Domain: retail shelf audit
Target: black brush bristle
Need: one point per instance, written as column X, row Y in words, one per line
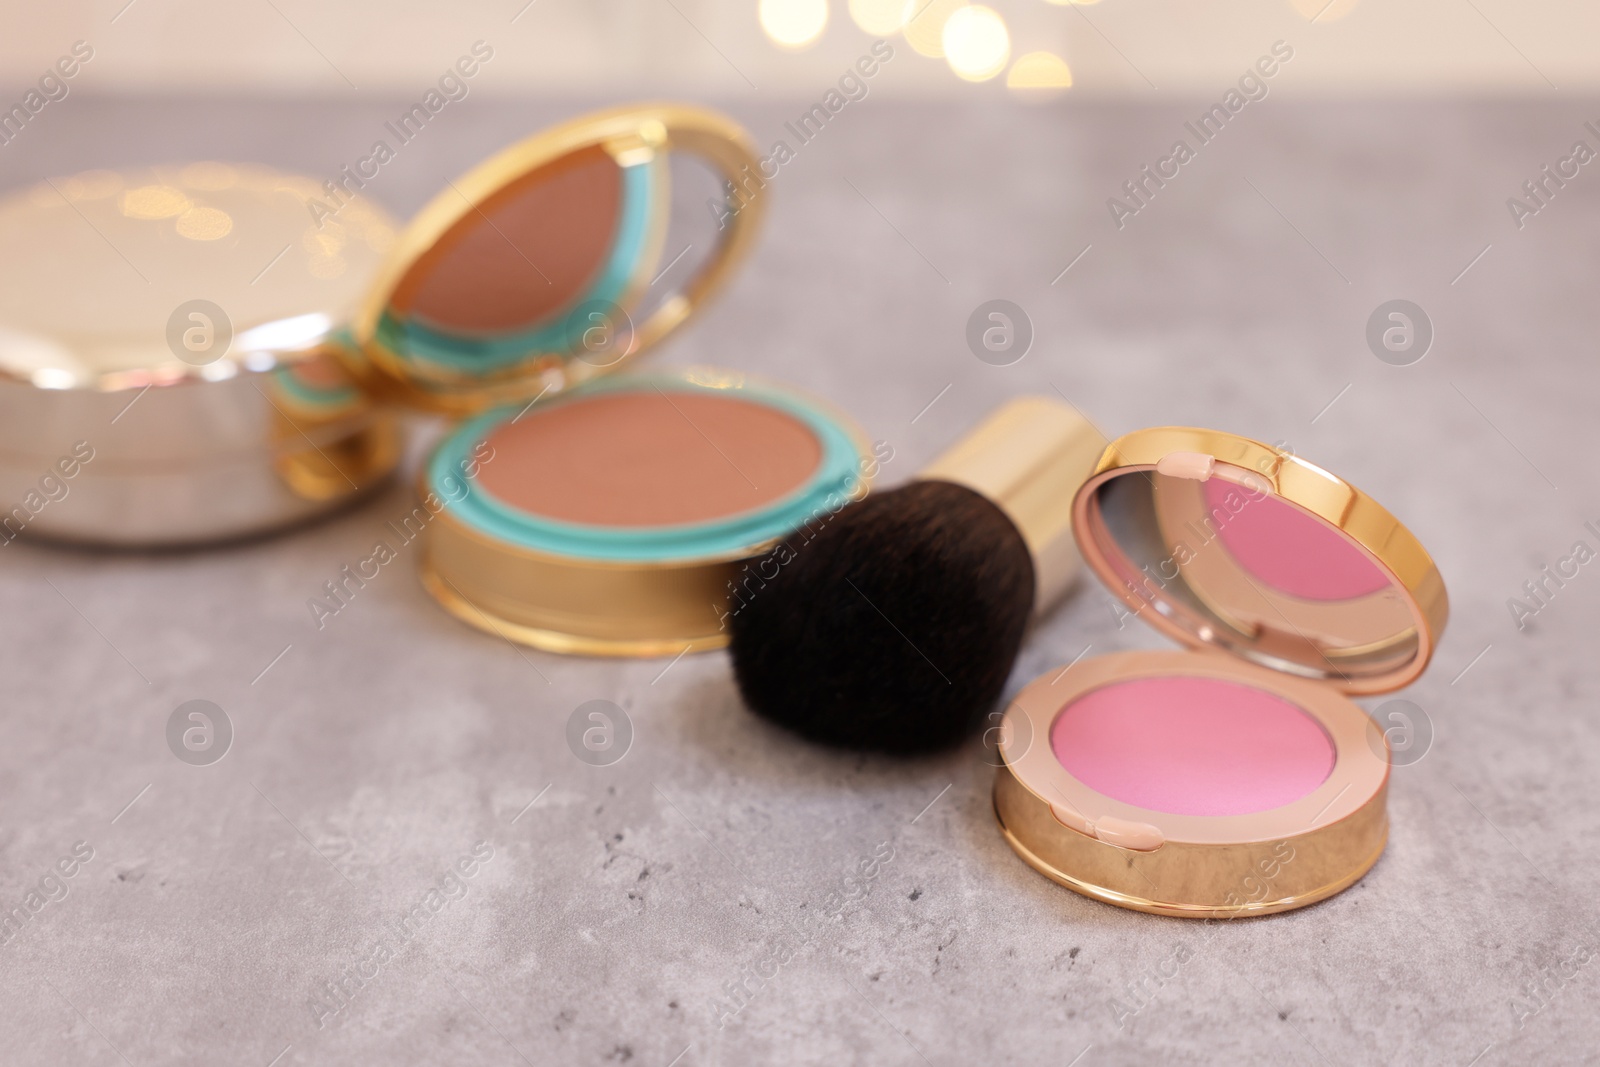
column 894, row 627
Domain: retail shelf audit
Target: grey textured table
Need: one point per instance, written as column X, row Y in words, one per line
column 618, row 909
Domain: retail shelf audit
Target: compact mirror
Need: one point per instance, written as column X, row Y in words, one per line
column 696, row 225
column 498, row 289
column 1264, row 556
column 539, row 268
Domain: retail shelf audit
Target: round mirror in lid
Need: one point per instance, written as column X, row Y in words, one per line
column 1224, row 542
column 535, row 271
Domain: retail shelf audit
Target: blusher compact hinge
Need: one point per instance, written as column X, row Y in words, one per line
column 1136, row 836
column 1195, row 466
column 1201, row 467
column 1124, row 833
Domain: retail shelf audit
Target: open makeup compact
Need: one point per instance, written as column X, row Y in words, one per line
column 1234, row 777
column 576, row 509
column 210, row 359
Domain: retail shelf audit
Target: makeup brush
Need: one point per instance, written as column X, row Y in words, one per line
column 894, row 624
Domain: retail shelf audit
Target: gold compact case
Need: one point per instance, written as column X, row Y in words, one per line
column 574, row 508
column 1236, row 776
column 166, row 367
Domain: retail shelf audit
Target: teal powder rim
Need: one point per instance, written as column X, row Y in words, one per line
column 417, row 342
column 838, row 475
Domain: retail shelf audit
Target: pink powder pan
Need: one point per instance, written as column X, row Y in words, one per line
column 1235, row 776
column 1188, row 744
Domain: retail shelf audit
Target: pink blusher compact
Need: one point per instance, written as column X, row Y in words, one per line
column 1235, row 776
column 1189, row 745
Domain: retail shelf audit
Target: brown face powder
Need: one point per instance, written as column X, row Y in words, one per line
column 524, row 255
column 649, row 458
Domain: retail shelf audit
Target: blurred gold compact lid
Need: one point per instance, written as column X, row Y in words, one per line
column 174, row 324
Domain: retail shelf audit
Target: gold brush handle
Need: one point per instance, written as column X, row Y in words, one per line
column 1029, row 457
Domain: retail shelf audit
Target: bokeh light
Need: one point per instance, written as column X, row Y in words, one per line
column 1039, row 73
column 205, row 224
column 793, row 24
column 880, row 18
column 90, row 185
column 154, row 202
column 976, row 43
column 924, row 24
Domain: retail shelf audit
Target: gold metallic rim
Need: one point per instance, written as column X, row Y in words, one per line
column 1332, row 499
column 554, row 640
column 338, row 469
column 1136, row 902
column 630, row 128
column 563, row 604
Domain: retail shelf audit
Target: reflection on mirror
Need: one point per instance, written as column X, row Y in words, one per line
column 695, row 231
column 1243, row 569
column 524, row 254
column 503, row 283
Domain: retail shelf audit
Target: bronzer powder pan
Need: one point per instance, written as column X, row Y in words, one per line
column 612, row 520
column 1236, row 777
column 650, row 456
column 575, row 508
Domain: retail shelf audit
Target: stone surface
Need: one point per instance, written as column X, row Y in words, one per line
column 619, row 906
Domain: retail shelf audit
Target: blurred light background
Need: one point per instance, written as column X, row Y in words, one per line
column 795, row 47
column 988, row 164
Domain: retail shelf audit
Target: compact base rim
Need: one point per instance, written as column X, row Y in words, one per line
column 154, row 506
column 547, row 640
column 1365, row 834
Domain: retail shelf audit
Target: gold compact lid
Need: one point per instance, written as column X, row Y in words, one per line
column 121, row 280
column 543, row 266
column 1227, row 543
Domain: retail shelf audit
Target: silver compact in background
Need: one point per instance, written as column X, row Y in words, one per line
column 167, row 356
